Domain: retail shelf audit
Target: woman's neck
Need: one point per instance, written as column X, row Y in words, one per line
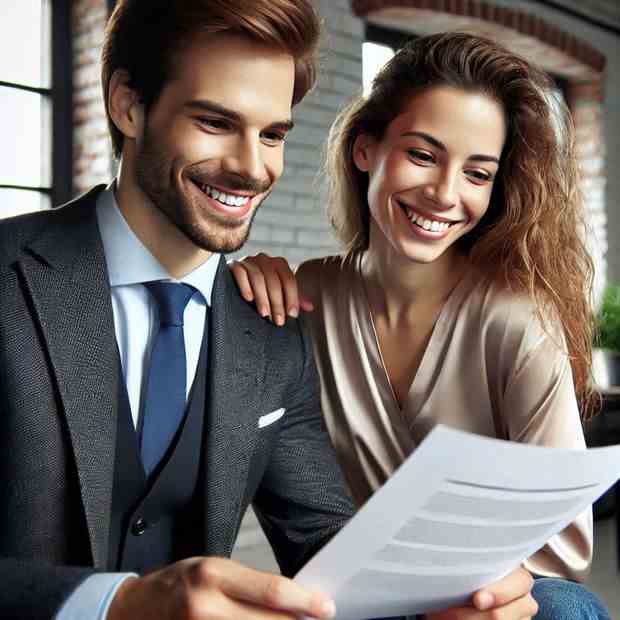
column 399, row 287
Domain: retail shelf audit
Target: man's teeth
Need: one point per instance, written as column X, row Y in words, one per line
column 229, row 200
column 425, row 223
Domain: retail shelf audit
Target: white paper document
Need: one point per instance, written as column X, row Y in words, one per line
column 461, row 512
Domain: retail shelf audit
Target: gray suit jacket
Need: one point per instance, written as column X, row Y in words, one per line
column 58, row 407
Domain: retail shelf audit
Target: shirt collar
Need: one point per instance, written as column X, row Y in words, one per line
column 120, row 242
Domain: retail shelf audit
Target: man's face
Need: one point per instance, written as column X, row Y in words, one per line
column 213, row 142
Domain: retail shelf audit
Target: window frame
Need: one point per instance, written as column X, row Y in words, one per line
column 59, row 96
column 387, row 36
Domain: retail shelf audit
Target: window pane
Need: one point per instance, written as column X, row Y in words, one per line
column 18, row 201
column 22, row 35
column 374, row 56
column 21, row 122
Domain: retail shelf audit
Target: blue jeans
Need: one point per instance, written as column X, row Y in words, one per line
column 559, row 599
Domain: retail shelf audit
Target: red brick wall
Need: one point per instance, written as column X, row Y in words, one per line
column 92, row 153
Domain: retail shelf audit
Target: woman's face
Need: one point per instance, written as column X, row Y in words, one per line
column 431, row 175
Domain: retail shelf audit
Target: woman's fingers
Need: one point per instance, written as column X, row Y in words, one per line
column 517, row 584
column 243, row 282
column 272, row 285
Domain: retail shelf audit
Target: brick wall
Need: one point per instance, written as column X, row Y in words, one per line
column 605, row 127
column 585, row 99
column 92, row 154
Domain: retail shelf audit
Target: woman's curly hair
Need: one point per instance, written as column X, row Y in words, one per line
column 532, row 237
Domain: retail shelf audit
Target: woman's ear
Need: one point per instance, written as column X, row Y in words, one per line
column 363, row 151
column 124, row 106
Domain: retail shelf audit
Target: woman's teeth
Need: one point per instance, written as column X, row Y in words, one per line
column 425, row 223
column 229, row 200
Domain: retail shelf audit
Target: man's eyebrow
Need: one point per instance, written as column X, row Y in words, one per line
column 440, row 145
column 206, row 105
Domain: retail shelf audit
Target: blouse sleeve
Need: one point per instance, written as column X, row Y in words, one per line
column 539, row 407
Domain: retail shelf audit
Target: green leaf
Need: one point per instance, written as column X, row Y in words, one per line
column 608, row 320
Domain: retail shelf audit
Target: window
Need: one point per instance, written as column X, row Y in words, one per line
column 35, row 124
column 374, row 56
column 380, row 45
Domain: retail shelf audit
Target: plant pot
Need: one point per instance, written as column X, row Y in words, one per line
column 606, row 368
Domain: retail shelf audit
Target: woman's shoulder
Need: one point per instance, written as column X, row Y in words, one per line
column 508, row 314
column 319, row 274
column 501, row 302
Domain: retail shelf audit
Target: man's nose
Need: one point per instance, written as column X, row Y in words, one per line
column 247, row 160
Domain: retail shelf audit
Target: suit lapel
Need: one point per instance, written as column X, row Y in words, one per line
column 236, row 381
column 67, row 279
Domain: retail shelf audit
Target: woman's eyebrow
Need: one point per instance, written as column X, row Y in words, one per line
column 440, row 145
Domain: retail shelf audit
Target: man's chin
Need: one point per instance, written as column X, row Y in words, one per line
column 219, row 243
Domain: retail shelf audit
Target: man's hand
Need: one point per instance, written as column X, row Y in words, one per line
column 208, row 588
column 509, row 598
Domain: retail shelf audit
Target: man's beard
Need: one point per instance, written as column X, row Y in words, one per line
column 156, row 178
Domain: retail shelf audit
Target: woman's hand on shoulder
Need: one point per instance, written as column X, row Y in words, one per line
column 270, row 283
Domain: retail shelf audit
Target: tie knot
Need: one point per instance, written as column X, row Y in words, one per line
column 171, row 299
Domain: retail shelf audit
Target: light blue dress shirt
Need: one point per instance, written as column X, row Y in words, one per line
column 136, row 322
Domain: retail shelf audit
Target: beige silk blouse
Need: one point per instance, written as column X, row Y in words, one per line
column 489, row 368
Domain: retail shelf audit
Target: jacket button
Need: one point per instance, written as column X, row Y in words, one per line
column 139, row 527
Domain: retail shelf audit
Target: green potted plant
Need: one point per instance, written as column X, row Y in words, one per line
column 607, row 340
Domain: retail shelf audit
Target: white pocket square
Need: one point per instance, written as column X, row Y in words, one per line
column 270, row 418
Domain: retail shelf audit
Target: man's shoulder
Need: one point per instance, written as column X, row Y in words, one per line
column 283, row 340
column 17, row 232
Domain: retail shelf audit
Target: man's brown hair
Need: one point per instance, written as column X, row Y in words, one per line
column 145, row 37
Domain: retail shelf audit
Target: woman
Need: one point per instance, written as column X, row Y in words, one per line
column 463, row 294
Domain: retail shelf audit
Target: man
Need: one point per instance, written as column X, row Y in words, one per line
column 144, row 404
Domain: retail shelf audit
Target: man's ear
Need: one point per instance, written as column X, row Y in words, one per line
column 124, row 106
column 363, row 151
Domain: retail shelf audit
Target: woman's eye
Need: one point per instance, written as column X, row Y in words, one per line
column 421, row 156
column 479, row 176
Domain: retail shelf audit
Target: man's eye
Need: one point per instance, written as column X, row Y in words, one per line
column 421, row 156
column 214, row 123
column 274, row 138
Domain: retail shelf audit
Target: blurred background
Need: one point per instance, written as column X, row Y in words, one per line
column 56, row 143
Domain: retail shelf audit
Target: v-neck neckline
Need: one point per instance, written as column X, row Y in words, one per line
column 427, row 369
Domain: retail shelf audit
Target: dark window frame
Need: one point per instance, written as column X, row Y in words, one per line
column 387, row 36
column 62, row 102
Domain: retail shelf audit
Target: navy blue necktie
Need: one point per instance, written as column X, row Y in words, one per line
column 165, row 401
